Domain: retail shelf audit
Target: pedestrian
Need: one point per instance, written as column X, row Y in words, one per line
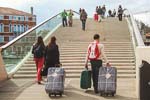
column 70, row 18
column 38, row 51
column 96, row 9
column 110, row 13
column 51, row 54
column 95, row 53
column 120, row 13
column 83, row 17
column 96, row 14
column 100, row 12
column 80, row 11
column 114, row 13
column 103, row 11
column 64, row 18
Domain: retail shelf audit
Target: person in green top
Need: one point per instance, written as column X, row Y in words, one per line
column 64, row 18
column 70, row 15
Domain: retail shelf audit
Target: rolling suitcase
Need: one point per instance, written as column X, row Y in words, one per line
column 85, row 81
column 55, row 81
column 107, row 81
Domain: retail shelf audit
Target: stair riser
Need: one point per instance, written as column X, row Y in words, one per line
column 107, row 53
column 124, row 73
column 120, row 77
column 68, row 64
column 83, row 61
column 22, row 69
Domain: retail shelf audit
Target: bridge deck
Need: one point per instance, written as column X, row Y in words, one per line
column 111, row 30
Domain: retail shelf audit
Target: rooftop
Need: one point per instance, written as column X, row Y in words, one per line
column 11, row 11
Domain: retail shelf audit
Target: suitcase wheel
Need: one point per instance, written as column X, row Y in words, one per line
column 107, row 94
column 112, row 94
column 50, row 94
column 60, row 94
column 101, row 94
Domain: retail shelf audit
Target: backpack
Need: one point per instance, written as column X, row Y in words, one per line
column 93, row 51
column 38, row 52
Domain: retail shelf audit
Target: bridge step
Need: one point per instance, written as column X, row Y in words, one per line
column 73, row 48
column 82, row 64
column 69, row 76
column 71, row 71
column 80, row 68
column 82, row 61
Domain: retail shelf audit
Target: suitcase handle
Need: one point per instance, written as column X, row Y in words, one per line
column 58, row 65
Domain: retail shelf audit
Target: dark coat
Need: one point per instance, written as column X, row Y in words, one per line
column 52, row 56
column 83, row 16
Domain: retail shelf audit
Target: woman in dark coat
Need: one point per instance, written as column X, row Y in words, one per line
column 52, row 54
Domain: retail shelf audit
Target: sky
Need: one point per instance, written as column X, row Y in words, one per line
column 46, row 8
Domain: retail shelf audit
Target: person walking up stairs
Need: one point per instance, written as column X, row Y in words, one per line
column 95, row 53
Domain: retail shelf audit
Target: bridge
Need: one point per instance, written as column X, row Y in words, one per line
column 123, row 46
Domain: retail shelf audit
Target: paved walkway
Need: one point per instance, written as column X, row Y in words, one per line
column 27, row 89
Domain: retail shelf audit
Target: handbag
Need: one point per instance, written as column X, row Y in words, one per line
column 44, row 71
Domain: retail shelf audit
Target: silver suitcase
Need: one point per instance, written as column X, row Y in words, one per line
column 107, row 81
column 55, row 81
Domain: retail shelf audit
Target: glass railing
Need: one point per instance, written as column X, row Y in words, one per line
column 143, row 21
column 135, row 31
column 15, row 52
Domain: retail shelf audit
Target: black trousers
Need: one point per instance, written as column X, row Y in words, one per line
column 120, row 17
column 64, row 22
column 95, row 64
column 83, row 24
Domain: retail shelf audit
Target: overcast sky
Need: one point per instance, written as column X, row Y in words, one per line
column 46, row 8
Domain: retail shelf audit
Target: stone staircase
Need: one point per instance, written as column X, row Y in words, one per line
column 73, row 43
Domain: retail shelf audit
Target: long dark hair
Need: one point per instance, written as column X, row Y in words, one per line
column 40, row 40
column 52, row 41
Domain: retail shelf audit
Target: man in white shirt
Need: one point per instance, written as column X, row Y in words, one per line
column 95, row 53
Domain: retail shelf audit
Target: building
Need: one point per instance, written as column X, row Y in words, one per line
column 14, row 22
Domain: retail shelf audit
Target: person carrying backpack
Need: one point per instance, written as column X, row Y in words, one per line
column 83, row 17
column 95, row 53
column 100, row 12
column 120, row 13
column 38, row 51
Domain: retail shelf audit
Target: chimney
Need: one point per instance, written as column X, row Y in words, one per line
column 32, row 10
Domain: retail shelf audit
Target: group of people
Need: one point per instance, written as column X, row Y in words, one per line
column 100, row 13
column 64, row 16
column 45, row 55
column 114, row 13
column 48, row 56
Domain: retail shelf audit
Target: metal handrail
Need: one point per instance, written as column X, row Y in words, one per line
column 137, row 33
column 30, row 30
